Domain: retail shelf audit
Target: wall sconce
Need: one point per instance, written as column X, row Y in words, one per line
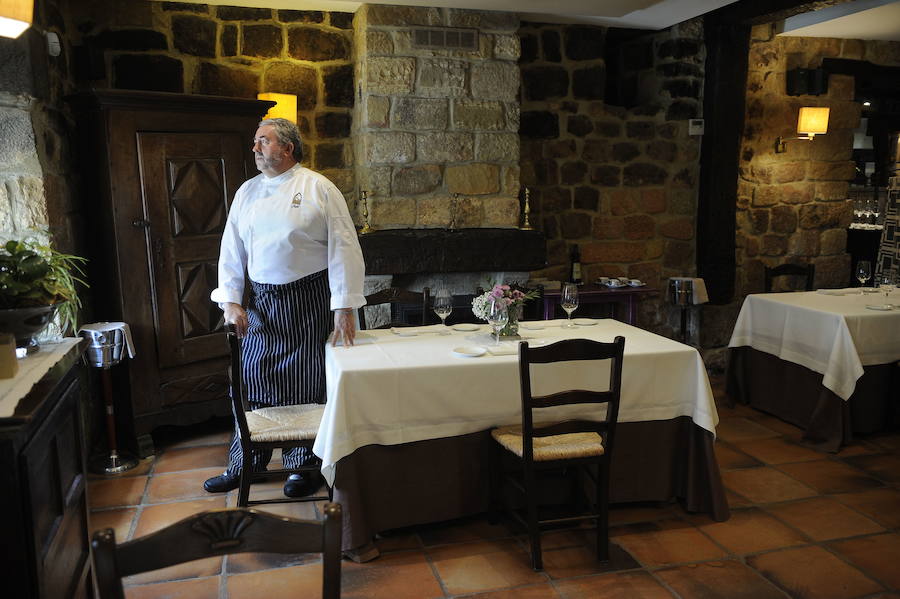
column 812, row 121
column 285, row 106
column 15, row 17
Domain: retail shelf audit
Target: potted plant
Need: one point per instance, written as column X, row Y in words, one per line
column 36, row 281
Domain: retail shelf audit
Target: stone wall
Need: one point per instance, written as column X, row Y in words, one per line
column 436, row 128
column 618, row 182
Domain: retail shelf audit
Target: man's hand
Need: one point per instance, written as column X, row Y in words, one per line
column 344, row 327
column 237, row 316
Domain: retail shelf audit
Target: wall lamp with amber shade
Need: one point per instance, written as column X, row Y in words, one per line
column 15, row 17
column 812, row 121
column 285, row 106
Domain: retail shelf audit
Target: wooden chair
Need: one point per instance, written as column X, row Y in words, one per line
column 218, row 532
column 407, row 307
column 279, row 427
column 802, row 270
column 583, row 445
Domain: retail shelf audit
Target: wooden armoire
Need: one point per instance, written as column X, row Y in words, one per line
column 160, row 171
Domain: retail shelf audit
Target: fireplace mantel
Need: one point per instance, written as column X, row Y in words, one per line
column 415, row 251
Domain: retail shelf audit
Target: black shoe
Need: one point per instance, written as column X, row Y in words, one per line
column 226, row 482
column 301, row 485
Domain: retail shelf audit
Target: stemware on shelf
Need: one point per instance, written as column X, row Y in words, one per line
column 863, row 272
column 443, row 306
column 498, row 316
column 568, row 299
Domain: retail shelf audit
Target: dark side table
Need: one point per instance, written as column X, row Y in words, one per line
column 623, row 297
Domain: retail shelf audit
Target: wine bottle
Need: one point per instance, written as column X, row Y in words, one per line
column 575, row 272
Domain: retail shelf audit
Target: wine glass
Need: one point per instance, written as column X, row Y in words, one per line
column 887, row 283
column 568, row 299
column 863, row 272
column 498, row 316
column 443, row 306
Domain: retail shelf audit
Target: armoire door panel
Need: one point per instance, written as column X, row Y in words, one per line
column 188, row 181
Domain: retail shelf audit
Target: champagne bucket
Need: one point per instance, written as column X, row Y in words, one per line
column 681, row 292
column 106, row 347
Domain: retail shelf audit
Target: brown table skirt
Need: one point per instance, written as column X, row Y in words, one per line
column 383, row 487
column 795, row 394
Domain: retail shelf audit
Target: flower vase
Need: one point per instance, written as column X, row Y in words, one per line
column 511, row 330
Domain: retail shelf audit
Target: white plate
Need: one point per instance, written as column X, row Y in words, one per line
column 884, row 307
column 469, row 351
column 616, row 286
column 584, row 322
column 531, row 326
column 465, row 327
column 870, row 290
column 637, row 284
column 402, row 333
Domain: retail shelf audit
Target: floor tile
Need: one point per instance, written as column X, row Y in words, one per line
column 539, row 591
column 779, row 451
column 483, row 566
column 730, row 458
column 765, row 485
column 824, row 518
column 734, row 430
column 119, row 520
column 620, row 585
column 200, row 568
column 143, row 467
column 403, row 575
column 882, row 505
column 813, row 573
column 112, row 492
column 877, row 555
column 582, row 559
column 240, row 563
column 750, row 531
column 669, row 546
column 859, row 447
column 398, row 541
column 735, row 500
column 883, row 466
column 154, row 517
column 830, row 476
column 719, row 580
column 191, row 458
column 217, row 431
column 463, row 530
column 623, row 514
column 890, row 441
column 286, row 583
column 179, row 485
column 199, row 588
column 788, row 430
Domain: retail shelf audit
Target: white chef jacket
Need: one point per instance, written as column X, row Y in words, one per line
column 286, row 227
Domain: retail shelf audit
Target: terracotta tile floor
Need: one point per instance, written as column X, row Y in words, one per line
column 805, row 524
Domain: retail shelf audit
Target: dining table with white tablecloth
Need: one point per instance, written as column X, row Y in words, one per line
column 405, row 433
column 822, row 360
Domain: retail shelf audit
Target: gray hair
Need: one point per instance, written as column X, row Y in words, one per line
column 287, row 133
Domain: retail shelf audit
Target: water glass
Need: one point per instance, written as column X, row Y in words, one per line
column 498, row 316
column 863, row 272
column 568, row 299
column 887, row 283
column 443, row 306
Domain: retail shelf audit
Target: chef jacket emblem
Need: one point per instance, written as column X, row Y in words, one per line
column 296, row 200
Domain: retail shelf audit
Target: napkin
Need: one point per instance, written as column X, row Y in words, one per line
column 850, row 291
column 435, row 328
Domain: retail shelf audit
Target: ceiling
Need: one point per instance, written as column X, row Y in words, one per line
column 863, row 20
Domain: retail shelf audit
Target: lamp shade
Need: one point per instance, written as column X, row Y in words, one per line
column 285, row 106
column 813, row 121
column 15, row 17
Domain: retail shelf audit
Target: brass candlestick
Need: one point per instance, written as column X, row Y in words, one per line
column 526, row 226
column 365, row 212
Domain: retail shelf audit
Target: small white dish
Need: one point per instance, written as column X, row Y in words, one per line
column 615, row 284
column 402, row 333
column 584, row 322
column 469, row 351
column 531, row 326
column 465, row 326
column 883, row 307
column 636, row 283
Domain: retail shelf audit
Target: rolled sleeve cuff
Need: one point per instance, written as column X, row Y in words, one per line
column 352, row 300
column 222, row 295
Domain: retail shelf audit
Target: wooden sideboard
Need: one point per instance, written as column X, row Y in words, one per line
column 43, row 506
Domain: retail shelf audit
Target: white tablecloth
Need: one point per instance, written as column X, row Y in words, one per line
column 393, row 389
column 834, row 334
column 31, row 369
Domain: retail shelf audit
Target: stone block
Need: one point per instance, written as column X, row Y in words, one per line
column 136, row 40
column 639, row 226
column 575, row 225
column 550, row 45
column 831, row 271
column 589, row 83
column 773, row 245
column 262, row 41
column 27, row 201
column 290, row 78
column 392, row 212
column 853, row 49
column 555, row 200
column 612, row 251
column 497, row 147
column 390, row 147
column 625, row 152
column 185, row 7
column 378, row 110
column 420, row 113
column 441, row 77
column 652, row 201
column 686, row 178
column 823, row 216
column 608, row 227
column 759, row 221
column 330, row 155
column 784, row 219
column 333, row 124
column 341, row 20
column 678, row 255
column 235, row 13
column 313, row 44
column 608, row 128
column 539, row 124
column 228, row 40
column 679, row 228
column 678, row 69
column 489, row 20
column 844, row 115
column 513, row 116
column 510, row 185
column 433, row 212
column 339, row 85
column 501, row 212
column 507, row 47
column 832, row 191
column 794, row 193
column 300, row 16
column 400, row 16
column 663, row 151
column 153, row 72
column 473, row 179
column 638, row 55
column 376, row 180
column 844, row 170
column 343, row 179
column 607, row 176
column 682, row 88
column 587, row 198
column 680, row 110
column 835, row 146
column 788, row 172
column 389, row 75
column 478, row 116
column 562, row 148
column 573, row 172
column 579, row 125
column 379, row 42
column 470, row 213
column 623, row 202
column 641, row 174
column 682, row 202
column 445, row 147
column 584, row 42
column 494, row 80
column 833, row 241
column 529, row 48
column 544, row 82
column 414, row 180
column 679, row 48
column 596, row 150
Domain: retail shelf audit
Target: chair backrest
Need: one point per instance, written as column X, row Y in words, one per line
column 802, row 270
column 570, row 350
column 214, row 533
column 407, row 307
